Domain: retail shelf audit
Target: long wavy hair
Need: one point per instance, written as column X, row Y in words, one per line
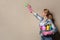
column 49, row 13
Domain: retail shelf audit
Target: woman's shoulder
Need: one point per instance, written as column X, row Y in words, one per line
column 49, row 20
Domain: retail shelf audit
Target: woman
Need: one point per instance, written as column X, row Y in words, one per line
column 44, row 20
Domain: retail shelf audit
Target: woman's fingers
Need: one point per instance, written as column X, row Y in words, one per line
column 30, row 8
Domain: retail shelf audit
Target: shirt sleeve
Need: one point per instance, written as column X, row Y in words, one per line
column 53, row 26
column 38, row 16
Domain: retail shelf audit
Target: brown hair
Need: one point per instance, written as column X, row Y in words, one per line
column 49, row 13
column 53, row 20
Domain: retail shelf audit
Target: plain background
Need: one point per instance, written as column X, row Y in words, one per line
column 16, row 23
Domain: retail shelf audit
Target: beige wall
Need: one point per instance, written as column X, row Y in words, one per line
column 16, row 23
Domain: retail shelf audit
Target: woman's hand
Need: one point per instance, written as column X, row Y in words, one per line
column 45, row 33
column 30, row 8
column 48, row 33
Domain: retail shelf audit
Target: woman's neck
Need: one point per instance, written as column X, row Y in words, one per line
column 45, row 17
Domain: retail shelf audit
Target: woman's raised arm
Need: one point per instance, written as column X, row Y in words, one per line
column 34, row 13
